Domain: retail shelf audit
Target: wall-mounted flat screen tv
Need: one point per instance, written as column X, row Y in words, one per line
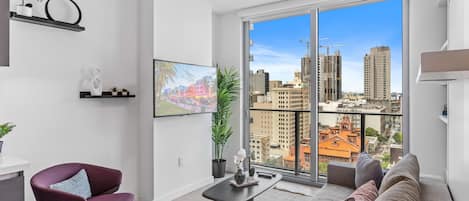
column 182, row 89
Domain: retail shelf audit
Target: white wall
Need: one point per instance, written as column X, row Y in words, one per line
column 227, row 53
column 145, row 80
column 458, row 109
column 458, row 140
column 427, row 133
column 182, row 34
column 39, row 92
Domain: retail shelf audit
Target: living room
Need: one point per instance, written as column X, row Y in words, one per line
column 80, row 85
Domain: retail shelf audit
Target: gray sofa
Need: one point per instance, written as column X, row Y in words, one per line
column 341, row 183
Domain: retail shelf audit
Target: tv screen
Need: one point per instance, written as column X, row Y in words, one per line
column 181, row 89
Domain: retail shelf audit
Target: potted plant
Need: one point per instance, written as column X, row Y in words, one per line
column 228, row 88
column 4, row 130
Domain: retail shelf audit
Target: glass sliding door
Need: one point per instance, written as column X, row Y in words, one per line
column 360, row 83
column 325, row 86
column 279, row 93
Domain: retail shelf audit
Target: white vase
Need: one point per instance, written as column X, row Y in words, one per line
column 96, row 83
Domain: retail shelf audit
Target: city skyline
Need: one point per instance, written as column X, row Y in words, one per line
column 281, row 56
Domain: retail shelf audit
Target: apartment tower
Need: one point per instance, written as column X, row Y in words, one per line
column 378, row 73
column 259, row 82
column 305, row 69
column 330, row 77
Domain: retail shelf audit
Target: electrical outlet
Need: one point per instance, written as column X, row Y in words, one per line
column 179, row 162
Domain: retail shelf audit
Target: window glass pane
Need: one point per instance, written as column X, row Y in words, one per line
column 279, row 80
column 359, row 76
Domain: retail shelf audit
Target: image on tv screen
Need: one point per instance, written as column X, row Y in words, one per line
column 182, row 89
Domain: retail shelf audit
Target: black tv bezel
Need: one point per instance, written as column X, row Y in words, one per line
column 154, row 87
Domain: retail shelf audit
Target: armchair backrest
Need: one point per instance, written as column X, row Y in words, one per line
column 102, row 181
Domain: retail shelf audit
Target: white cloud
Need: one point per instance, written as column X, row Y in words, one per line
column 280, row 65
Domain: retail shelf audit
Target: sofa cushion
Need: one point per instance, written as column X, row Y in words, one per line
column 332, row 192
column 76, row 185
column 367, row 169
column 406, row 168
column 404, row 190
column 366, row 192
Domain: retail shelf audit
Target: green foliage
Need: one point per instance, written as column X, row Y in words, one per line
column 398, row 137
column 371, row 132
column 386, row 160
column 322, row 168
column 5, row 129
column 273, row 162
column 228, row 88
column 382, row 139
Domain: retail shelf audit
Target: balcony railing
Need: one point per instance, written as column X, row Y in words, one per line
column 362, row 115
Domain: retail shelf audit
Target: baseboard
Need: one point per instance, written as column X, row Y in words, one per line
column 185, row 190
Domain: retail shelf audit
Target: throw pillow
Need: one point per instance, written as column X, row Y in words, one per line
column 76, row 185
column 366, row 192
column 404, row 190
column 406, row 168
column 367, row 169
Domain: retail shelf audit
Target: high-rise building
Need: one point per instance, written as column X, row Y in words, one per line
column 259, row 82
column 330, row 77
column 378, row 73
column 259, row 148
column 284, row 122
column 275, row 84
column 305, row 69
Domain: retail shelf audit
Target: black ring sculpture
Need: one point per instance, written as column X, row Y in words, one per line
column 75, row 4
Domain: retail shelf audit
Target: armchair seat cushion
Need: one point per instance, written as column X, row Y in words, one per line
column 114, row 197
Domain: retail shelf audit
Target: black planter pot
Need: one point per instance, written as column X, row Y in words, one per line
column 1, row 144
column 218, row 168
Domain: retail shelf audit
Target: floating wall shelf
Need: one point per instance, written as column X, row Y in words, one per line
column 106, row 94
column 46, row 22
column 443, row 66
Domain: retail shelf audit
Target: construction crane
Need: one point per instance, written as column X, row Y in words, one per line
column 328, row 47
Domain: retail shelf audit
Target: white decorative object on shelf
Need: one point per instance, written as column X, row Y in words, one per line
column 25, row 9
column 95, row 81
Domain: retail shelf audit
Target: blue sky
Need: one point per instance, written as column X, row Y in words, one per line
column 354, row 30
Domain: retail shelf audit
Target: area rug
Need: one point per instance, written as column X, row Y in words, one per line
column 281, row 195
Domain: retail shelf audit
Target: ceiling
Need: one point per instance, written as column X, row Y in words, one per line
column 225, row 6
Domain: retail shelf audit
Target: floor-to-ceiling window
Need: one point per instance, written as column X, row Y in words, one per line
column 279, row 91
column 325, row 86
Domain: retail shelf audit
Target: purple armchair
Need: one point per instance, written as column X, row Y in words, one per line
column 103, row 182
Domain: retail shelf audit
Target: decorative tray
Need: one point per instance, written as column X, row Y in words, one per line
column 248, row 182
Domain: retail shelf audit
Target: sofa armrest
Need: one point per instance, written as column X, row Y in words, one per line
column 342, row 174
